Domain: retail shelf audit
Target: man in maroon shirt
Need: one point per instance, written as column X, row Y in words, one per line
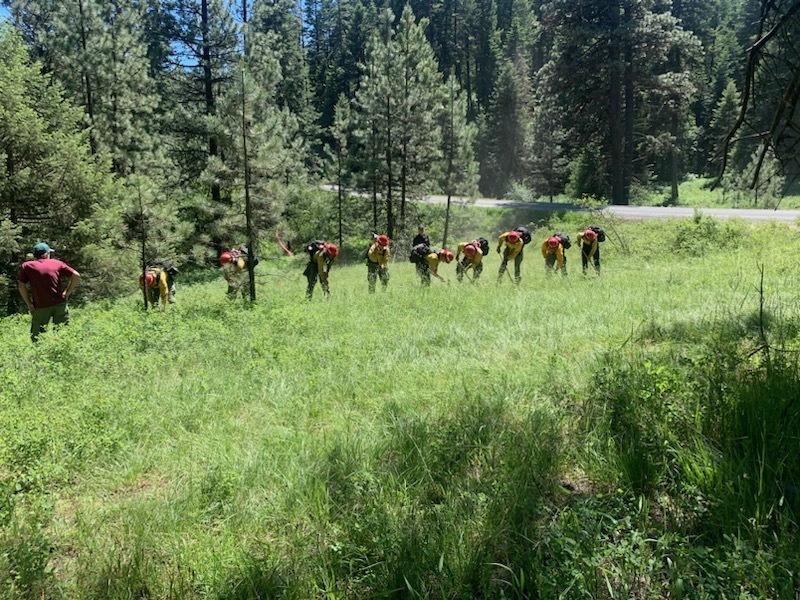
column 46, row 299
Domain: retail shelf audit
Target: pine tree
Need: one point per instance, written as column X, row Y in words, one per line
column 610, row 62
column 128, row 100
column 34, row 20
column 207, row 52
column 280, row 22
column 505, row 130
column 396, row 106
column 49, row 181
column 98, row 50
column 459, row 170
column 722, row 122
column 547, row 148
column 341, row 133
column 421, row 90
column 261, row 150
column 378, row 108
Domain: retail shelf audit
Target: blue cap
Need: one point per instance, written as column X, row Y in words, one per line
column 41, row 249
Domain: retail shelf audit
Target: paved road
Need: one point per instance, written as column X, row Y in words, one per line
column 639, row 212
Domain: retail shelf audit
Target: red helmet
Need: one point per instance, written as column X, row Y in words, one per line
column 445, row 255
column 383, row 241
column 331, row 250
column 512, row 237
column 225, row 258
column 553, row 242
column 149, row 278
column 590, row 235
column 469, row 250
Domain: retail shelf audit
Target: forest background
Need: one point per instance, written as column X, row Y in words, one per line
column 136, row 129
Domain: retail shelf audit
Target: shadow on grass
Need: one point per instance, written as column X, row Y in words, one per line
column 428, row 512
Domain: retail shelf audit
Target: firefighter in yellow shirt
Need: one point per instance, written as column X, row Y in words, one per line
column 512, row 251
column 321, row 259
column 590, row 250
column 378, row 262
column 429, row 265
column 473, row 259
column 234, row 270
column 156, row 280
column 553, row 253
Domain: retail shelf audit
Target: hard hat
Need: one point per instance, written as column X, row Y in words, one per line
column 331, row 250
column 512, row 237
column 383, row 241
column 553, row 242
column 149, row 278
column 225, row 258
column 445, row 255
column 589, row 234
column 469, row 250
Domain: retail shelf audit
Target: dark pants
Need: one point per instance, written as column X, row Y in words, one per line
column 42, row 316
column 585, row 260
column 312, row 276
column 517, row 263
column 424, row 273
column 374, row 270
column 550, row 264
column 462, row 266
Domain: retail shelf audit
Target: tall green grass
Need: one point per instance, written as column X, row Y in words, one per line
column 621, row 436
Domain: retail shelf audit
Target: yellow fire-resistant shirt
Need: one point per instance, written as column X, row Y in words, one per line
column 558, row 251
column 322, row 262
column 378, row 254
column 163, row 286
column 513, row 249
column 585, row 244
column 432, row 260
column 474, row 260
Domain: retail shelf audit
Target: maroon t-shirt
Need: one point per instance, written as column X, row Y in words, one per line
column 44, row 276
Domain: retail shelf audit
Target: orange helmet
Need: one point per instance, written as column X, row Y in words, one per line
column 469, row 250
column 553, row 242
column 590, row 235
column 331, row 250
column 383, row 241
column 225, row 258
column 149, row 278
column 512, row 237
column 445, row 255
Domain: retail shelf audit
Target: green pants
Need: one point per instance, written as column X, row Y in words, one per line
column 42, row 316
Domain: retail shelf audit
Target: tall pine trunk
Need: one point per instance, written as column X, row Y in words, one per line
column 86, row 81
column 208, row 88
column 627, row 153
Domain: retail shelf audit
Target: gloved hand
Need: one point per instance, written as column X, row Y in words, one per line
column 498, row 249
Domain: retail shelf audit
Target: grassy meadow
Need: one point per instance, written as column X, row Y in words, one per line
column 628, row 436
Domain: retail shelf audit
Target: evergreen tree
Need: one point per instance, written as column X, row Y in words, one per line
column 722, row 122
column 547, row 147
column 341, row 133
column 207, row 55
column 49, row 181
column 99, row 51
column 261, row 151
column 378, row 106
column 505, row 130
column 34, row 20
column 76, row 50
column 397, row 104
column 127, row 99
column 421, row 95
column 280, row 21
column 459, row 170
column 615, row 65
